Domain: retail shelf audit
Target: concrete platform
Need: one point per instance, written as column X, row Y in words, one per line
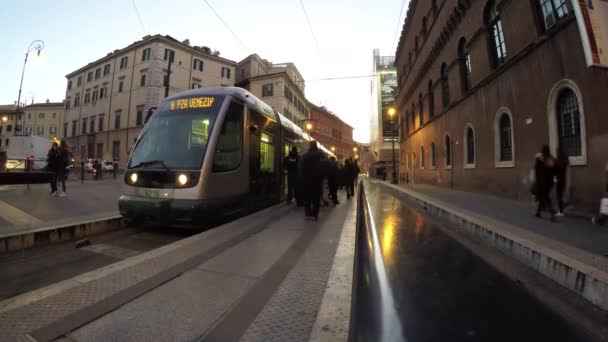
column 268, row 276
column 23, row 209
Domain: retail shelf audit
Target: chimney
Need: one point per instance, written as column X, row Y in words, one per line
column 186, row 41
column 47, row 101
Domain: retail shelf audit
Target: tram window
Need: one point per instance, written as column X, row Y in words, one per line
column 266, row 153
column 229, row 151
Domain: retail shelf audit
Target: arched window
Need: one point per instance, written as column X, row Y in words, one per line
column 431, row 99
column 496, row 34
column 445, row 86
column 424, row 27
column 503, row 139
column 465, row 65
column 420, row 110
column 569, row 123
column 433, row 162
column 447, row 147
column 552, row 11
column 422, row 157
column 413, row 116
column 469, row 146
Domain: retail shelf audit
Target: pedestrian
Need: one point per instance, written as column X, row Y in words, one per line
column 544, row 170
column 53, row 162
column 561, row 177
column 349, row 174
column 290, row 167
column 332, row 180
column 63, row 165
column 325, row 165
column 311, row 176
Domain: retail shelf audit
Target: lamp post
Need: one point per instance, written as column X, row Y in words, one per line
column 37, row 45
column 391, row 113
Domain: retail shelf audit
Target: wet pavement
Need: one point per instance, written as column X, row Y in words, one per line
column 418, row 284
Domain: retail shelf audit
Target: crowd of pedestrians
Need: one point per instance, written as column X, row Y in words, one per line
column 314, row 178
column 58, row 161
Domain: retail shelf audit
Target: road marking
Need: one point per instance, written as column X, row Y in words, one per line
column 111, row 251
column 16, row 216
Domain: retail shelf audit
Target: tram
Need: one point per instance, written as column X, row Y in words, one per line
column 208, row 153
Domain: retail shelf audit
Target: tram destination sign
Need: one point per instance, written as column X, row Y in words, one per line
column 192, row 103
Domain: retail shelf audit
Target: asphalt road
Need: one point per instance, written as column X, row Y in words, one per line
column 418, row 284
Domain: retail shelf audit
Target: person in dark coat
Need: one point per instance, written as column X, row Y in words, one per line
column 62, row 168
column 290, row 167
column 311, row 175
column 544, row 172
column 332, row 180
column 349, row 174
column 53, row 163
column 561, row 172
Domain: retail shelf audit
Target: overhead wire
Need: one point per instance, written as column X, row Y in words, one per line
column 139, row 17
column 227, row 26
column 398, row 23
column 314, row 37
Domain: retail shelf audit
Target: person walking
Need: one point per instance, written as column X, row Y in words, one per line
column 544, row 169
column 311, row 176
column 349, row 174
column 62, row 167
column 290, row 167
column 561, row 177
column 53, row 162
column 332, row 180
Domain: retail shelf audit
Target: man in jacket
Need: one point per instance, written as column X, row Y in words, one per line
column 312, row 176
column 290, row 167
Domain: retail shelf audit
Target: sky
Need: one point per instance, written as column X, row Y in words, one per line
column 77, row 32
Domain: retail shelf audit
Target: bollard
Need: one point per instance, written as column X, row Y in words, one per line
column 115, row 169
column 82, row 172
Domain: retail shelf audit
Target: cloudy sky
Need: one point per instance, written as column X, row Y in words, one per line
column 77, row 32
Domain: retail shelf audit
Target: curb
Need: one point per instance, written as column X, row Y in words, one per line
column 63, row 232
column 333, row 317
column 579, row 271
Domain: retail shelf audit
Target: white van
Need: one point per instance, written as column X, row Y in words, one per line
column 30, row 147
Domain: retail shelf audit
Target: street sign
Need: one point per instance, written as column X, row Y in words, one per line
column 592, row 18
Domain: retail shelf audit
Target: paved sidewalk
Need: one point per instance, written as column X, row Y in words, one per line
column 574, row 231
column 23, row 209
column 263, row 277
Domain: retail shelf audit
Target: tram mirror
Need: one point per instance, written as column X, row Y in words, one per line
column 253, row 128
column 149, row 114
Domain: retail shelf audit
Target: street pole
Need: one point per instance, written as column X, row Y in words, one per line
column 38, row 45
column 394, row 180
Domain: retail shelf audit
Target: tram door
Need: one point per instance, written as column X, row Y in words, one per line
column 264, row 145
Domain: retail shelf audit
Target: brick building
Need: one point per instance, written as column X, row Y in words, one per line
column 332, row 132
column 484, row 84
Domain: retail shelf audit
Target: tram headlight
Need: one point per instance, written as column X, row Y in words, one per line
column 133, row 178
column 182, row 179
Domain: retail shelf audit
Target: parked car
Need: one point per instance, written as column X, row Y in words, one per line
column 88, row 164
column 107, row 165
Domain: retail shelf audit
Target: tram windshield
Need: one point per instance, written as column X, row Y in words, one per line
column 178, row 133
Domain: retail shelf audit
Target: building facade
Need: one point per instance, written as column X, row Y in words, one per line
column 43, row 120
column 9, row 118
column 332, row 132
column 483, row 84
column 384, row 130
column 279, row 85
column 107, row 100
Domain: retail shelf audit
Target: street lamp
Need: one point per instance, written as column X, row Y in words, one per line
column 391, row 113
column 37, row 45
column 4, row 118
column 309, row 126
column 333, row 149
